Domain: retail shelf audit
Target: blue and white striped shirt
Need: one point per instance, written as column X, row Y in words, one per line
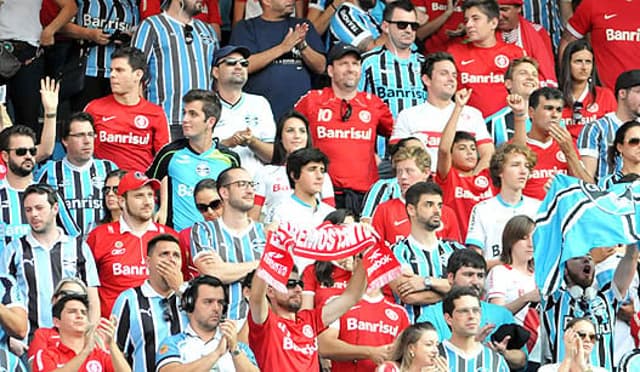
column 486, row 360
column 384, row 189
column 594, row 141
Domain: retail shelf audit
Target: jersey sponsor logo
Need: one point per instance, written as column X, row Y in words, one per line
column 560, row 157
column 467, row 78
column 546, row 173
column 443, row 7
column 466, row 61
column 126, row 270
column 125, row 139
column 349, row 23
column 609, row 16
column 621, row 35
column 365, row 116
column 203, row 169
column 15, row 230
column 354, row 324
column 307, row 331
column 278, row 187
column 501, row 61
column 184, row 190
column 289, row 345
column 103, row 24
column 481, row 181
column 351, row 133
column 391, row 314
column 118, row 251
column 141, row 122
column 384, row 93
column 461, row 193
column 83, row 203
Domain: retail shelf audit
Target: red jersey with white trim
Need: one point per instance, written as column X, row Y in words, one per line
column 287, row 345
column 482, row 69
column 373, row 321
column 614, row 32
column 438, row 41
column 188, row 269
column 462, row 193
column 349, row 144
column 551, row 161
column 3, row 169
column 392, row 223
column 210, row 10
column 130, row 136
column 121, row 258
column 60, row 354
column 605, row 103
column 319, row 291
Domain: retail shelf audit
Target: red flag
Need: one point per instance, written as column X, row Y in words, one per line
column 276, row 262
column 381, row 266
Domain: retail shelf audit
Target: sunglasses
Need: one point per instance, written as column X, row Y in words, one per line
column 292, row 283
column 403, row 25
column 214, row 205
column 587, row 336
column 234, row 61
column 188, row 34
column 22, row 151
column 635, row 141
column 66, row 293
column 345, row 110
column 108, row 189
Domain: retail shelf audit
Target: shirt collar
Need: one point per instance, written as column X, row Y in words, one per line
column 124, row 227
column 62, row 238
column 148, row 291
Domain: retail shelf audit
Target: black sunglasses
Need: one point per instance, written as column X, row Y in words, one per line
column 22, row 151
column 188, row 34
column 216, row 204
column 635, row 141
column 234, row 61
column 403, row 25
column 345, row 110
column 108, row 189
column 292, row 283
column 591, row 336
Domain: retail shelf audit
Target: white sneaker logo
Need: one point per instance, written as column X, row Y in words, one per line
column 107, row 118
column 609, row 16
column 464, row 63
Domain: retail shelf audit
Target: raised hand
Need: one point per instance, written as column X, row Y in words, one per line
column 517, row 103
column 49, row 91
column 462, row 96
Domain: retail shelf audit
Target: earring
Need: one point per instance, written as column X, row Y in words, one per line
column 412, row 354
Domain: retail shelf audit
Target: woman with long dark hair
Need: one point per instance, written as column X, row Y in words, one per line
column 584, row 99
column 624, row 153
column 110, row 204
column 273, row 185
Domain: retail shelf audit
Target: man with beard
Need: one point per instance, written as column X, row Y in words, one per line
column 285, row 52
column 230, row 246
column 120, row 248
column 467, row 269
column 282, row 336
column 581, row 297
column 179, row 51
column 246, row 123
column 208, row 342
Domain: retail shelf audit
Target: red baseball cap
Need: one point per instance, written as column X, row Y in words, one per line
column 509, row 2
column 134, row 180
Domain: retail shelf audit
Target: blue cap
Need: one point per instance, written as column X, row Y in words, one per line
column 226, row 50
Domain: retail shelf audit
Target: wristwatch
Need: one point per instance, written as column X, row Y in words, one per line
column 302, row 45
column 428, row 285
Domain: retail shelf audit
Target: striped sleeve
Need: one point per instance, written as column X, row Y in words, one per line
column 589, row 140
column 202, row 239
column 122, row 311
column 378, row 193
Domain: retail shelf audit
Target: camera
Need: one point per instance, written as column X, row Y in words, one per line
column 119, row 37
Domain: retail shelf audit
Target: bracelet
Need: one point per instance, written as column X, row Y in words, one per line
column 50, row 115
column 519, row 115
column 235, row 352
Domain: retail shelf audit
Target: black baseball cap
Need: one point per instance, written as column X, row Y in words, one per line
column 226, row 50
column 627, row 79
column 342, row 49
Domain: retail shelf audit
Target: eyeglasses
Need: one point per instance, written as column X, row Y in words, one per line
column 234, row 61
column 214, row 205
column 188, row 34
column 22, row 151
column 587, row 336
column 82, row 135
column 242, row 184
column 403, row 25
column 108, row 189
column 166, row 310
column 345, row 110
column 635, row 141
column 292, row 283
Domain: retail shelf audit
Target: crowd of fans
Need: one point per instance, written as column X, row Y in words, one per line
column 149, row 147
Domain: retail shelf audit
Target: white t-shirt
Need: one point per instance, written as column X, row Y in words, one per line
column 556, row 367
column 253, row 112
column 427, row 122
column 488, row 219
column 505, row 282
column 19, row 21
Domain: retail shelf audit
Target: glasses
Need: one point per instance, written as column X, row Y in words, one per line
column 242, row 184
column 403, row 25
column 214, row 205
column 587, row 336
column 292, row 283
column 82, row 135
column 108, row 189
column 166, row 310
column 345, row 110
column 635, row 141
column 22, row 151
column 188, row 34
column 234, row 61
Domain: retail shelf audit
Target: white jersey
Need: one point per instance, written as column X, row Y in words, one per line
column 18, row 21
column 253, row 112
column 488, row 219
column 505, row 282
column 426, row 122
column 295, row 211
column 273, row 188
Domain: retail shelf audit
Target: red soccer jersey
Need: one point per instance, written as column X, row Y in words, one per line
column 551, row 161
column 130, row 136
column 120, row 258
column 3, row 169
column 59, row 354
column 482, row 69
column 43, row 338
column 210, row 10
column 349, row 144
column 604, row 104
column 188, row 269
column 613, row 27
column 462, row 193
column 287, row 345
column 392, row 223
column 439, row 41
column 371, row 322
column 321, row 292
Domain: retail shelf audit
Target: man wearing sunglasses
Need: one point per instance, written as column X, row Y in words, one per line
column 150, row 312
column 246, row 123
column 79, row 176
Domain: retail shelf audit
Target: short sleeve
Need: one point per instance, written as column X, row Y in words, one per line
column 497, row 283
column 588, row 140
column 90, row 265
column 168, row 352
column 580, row 22
column 477, row 234
column 401, row 127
